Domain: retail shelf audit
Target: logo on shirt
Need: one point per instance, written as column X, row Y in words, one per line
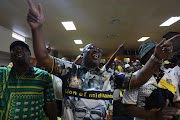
column 169, row 81
column 75, row 82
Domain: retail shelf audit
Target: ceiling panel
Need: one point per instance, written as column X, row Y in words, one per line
column 94, row 22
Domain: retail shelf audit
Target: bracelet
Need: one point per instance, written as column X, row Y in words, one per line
column 155, row 59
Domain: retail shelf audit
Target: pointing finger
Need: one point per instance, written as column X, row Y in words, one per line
column 124, row 42
column 174, row 37
column 31, row 4
column 169, row 41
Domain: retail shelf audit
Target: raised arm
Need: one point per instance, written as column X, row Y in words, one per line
column 35, row 19
column 162, row 50
column 78, row 60
column 110, row 61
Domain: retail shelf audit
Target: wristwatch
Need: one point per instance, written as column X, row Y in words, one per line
column 155, row 59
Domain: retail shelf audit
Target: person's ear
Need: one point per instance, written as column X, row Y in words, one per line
column 31, row 60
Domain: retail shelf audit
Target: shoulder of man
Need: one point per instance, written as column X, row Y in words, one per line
column 41, row 72
column 5, row 69
column 4, row 73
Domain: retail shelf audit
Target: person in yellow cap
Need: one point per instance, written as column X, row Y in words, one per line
column 166, row 66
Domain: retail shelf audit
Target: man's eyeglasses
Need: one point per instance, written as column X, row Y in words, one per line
column 94, row 114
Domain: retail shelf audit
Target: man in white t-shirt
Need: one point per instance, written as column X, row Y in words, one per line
column 161, row 90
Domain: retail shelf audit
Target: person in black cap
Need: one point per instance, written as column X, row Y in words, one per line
column 20, row 43
column 158, row 98
column 24, row 89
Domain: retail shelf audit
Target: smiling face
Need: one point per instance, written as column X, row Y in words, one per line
column 91, row 56
column 20, row 55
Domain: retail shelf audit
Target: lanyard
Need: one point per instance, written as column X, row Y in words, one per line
column 158, row 78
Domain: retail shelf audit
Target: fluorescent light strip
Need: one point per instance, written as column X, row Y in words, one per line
column 170, row 21
column 81, row 49
column 69, row 25
column 78, row 41
column 17, row 36
column 143, row 39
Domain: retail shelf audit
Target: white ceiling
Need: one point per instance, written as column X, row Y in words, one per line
column 93, row 20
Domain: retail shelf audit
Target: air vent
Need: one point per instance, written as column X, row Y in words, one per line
column 115, row 21
column 112, row 36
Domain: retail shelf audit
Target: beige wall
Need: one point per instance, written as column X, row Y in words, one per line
column 6, row 39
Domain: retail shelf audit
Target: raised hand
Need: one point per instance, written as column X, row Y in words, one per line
column 164, row 48
column 35, row 17
column 121, row 45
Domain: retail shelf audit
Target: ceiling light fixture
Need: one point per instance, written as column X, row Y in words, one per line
column 78, row 41
column 170, row 21
column 18, row 37
column 81, row 49
column 69, row 25
column 143, row 39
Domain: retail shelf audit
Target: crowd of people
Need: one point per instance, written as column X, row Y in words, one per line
column 87, row 89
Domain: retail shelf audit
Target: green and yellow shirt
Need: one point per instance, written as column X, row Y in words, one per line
column 23, row 96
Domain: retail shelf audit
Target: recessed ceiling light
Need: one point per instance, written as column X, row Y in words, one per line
column 69, row 25
column 143, row 39
column 81, row 49
column 17, row 36
column 170, row 21
column 78, row 41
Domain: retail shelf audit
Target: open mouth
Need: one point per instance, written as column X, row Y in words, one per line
column 95, row 56
column 19, row 55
